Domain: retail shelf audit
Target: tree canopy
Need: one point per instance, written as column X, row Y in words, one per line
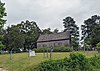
column 2, row 14
column 46, row 31
column 21, row 36
column 91, row 30
column 2, row 22
column 69, row 25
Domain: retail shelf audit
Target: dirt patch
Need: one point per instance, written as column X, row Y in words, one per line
column 1, row 69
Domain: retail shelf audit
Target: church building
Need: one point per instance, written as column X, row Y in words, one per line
column 54, row 40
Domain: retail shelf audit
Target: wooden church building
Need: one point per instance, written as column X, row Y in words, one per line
column 54, row 40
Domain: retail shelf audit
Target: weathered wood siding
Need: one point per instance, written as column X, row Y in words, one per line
column 54, row 40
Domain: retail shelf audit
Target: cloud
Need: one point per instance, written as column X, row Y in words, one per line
column 50, row 13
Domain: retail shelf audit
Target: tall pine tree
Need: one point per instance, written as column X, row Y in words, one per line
column 2, row 22
column 2, row 14
column 69, row 25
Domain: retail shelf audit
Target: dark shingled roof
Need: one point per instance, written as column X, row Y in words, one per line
column 53, row 37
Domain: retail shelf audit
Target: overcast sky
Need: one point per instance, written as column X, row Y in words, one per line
column 50, row 13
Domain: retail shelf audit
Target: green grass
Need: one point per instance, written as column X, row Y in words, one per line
column 21, row 61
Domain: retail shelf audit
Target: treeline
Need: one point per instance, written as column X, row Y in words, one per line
column 23, row 36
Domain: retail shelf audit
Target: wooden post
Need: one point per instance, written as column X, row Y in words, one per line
column 51, row 53
column 44, row 53
column 47, row 52
column 11, row 55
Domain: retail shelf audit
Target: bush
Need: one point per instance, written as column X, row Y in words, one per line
column 55, row 49
column 62, row 49
column 95, row 61
column 55, row 65
column 41, row 49
column 76, row 62
column 98, row 47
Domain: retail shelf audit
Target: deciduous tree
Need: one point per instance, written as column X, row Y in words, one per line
column 21, row 36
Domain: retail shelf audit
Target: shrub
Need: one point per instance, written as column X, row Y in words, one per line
column 95, row 61
column 76, row 62
column 98, row 47
column 62, row 49
column 41, row 49
column 54, row 65
column 55, row 49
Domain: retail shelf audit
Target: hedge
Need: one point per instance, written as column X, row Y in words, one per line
column 55, row 49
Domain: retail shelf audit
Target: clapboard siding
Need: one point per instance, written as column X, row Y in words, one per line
column 53, row 40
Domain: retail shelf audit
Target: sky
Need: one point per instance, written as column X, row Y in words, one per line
column 50, row 13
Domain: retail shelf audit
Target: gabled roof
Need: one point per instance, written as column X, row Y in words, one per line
column 53, row 37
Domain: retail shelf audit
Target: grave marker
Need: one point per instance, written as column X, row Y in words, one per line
column 31, row 53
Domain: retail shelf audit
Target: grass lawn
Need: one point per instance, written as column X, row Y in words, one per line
column 21, row 61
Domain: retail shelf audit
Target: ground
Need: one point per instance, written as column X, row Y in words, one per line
column 21, row 61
